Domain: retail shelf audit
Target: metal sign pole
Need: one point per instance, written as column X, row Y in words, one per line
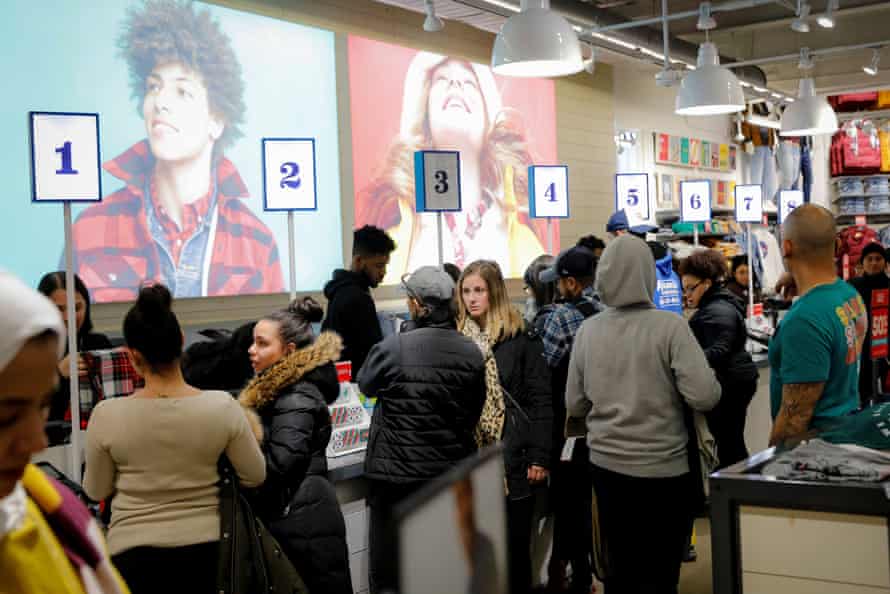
column 750, row 281
column 695, row 234
column 439, row 219
column 291, row 245
column 73, row 367
column 550, row 235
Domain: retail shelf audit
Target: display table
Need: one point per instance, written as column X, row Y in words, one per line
column 770, row 535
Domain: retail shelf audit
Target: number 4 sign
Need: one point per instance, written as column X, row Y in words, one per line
column 65, row 159
column 437, row 181
column 549, row 195
column 289, row 181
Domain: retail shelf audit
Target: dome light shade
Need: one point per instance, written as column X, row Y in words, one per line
column 709, row 89
column 537, row 42
column 809, row 115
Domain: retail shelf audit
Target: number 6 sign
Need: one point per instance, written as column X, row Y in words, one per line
column 695, row 201
column 289, row 182
column 65, row 158
column 437, row 181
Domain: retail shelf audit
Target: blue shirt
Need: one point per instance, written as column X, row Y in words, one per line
column 820, row 340
column 561, row 325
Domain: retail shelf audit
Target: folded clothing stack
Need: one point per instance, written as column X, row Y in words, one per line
column 876, row 185
column 852, row 206
column 850, row 186
column 879, row 204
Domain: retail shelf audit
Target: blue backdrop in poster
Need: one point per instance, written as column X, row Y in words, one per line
column 59, row 55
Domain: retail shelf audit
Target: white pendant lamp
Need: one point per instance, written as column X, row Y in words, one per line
column 809, row 115
column 537, row 42
column 710, row 89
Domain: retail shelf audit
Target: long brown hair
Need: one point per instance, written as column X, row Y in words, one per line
column 502, row 320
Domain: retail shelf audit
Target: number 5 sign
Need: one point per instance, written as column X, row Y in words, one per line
column 749, row 203
column 632, row 195
column 549, row 195
column 289, row 181
column 65, row 160
column 437, row 181
column 695, row 201
column 788, row 201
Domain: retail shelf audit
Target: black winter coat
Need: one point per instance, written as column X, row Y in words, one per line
column 525, row 376
column 352, row 314
column 430, row 388
column 719, row 327
column 297, row 502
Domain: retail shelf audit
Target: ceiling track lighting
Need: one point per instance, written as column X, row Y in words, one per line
column 537, row 42
column 800, row 24
column 432, row 23
column 871, row 68
column 826, row 20
column 809, row 115
column 705, row 22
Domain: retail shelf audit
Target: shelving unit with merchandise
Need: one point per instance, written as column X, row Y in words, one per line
column 866, row 195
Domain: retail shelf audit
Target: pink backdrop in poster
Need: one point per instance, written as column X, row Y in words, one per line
column 377, row 73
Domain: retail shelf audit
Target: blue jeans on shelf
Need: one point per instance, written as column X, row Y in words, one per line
column 763, row 171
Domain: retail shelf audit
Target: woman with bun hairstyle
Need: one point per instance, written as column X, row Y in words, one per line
column 157, row 453
column 295, row 381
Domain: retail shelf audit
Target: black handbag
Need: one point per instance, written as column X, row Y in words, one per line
column 250, row 559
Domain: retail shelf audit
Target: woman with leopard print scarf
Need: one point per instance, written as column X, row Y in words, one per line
column 518, row 410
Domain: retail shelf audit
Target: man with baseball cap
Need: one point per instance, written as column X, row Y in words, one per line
column 573, row 271
column 429, row 381
column 618, row 225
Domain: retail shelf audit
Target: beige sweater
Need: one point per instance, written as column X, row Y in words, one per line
column 159, row 459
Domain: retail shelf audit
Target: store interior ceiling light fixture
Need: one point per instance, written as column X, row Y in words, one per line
column 801, row 24
column 810, row 115
column 705, row 22
column 536, row 42
column 432, row 23
column 826, row 19
column 871, row 68
column 710, row 89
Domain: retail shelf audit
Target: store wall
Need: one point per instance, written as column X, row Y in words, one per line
column 585, row 124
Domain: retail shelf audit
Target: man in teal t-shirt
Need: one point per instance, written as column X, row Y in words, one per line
column 814, row 355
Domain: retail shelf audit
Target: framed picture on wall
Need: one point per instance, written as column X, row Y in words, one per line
column 665, row 191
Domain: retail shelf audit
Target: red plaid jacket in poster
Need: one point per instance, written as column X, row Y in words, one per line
column 115, row 254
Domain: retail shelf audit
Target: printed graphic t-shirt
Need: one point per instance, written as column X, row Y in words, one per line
column 820, row 340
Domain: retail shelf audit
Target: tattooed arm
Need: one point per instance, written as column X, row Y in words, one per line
column 798, row 403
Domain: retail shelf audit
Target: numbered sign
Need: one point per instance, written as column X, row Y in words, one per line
column 788, row 201
column 548, row 191
column 632, row 196
column 65, row 158
column 437, row 181
column 695, row 201
column 289, row 181
column 749, row 203
column 880, row 300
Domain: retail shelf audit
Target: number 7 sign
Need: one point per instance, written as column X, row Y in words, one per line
column 749, row 203
column 65, row 157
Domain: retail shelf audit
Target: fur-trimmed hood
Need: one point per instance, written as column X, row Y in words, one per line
column 268, row 385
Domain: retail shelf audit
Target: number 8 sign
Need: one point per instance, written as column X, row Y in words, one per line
column 65, row 157
column 437, row 181
column 788, row 201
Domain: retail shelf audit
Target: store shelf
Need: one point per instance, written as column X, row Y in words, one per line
column 690, row 236
column 877, row 217
column 880, row 114
column 675, row 212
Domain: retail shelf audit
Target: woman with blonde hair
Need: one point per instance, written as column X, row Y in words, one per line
column 517, row 409
column 453, row 104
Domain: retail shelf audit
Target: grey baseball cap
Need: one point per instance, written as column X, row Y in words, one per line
column 429, row 282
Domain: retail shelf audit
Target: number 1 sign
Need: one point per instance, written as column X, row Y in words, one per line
column 65, row 160
column 437, row 181
column 749, row 203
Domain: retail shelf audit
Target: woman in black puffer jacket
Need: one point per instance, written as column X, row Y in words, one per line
column 518, row 409
column 719, row 326
column 296, row 380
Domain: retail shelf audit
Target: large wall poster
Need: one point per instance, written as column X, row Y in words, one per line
column 404, row 100
column 185, row 93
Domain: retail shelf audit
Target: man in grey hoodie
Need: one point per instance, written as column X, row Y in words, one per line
column 632, row 370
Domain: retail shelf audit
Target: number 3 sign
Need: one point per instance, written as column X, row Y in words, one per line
column 65, row 159
column 289, row 181
column 437, row 181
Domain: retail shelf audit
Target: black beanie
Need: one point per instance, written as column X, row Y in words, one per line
column 873, row 248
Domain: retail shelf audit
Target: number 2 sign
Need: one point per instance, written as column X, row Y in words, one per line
column 65, row 157
column 437, row 181
column 289, row 181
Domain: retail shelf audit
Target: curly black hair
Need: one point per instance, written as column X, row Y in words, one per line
column 705, row 264
column 370, row 241
column 164, row 31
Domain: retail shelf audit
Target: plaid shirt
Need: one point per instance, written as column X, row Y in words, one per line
column 193, row 215
column 561, row 326
column 110, row 374
column 115, row 253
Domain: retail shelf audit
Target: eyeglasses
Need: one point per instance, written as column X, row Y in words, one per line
column 689, row 290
